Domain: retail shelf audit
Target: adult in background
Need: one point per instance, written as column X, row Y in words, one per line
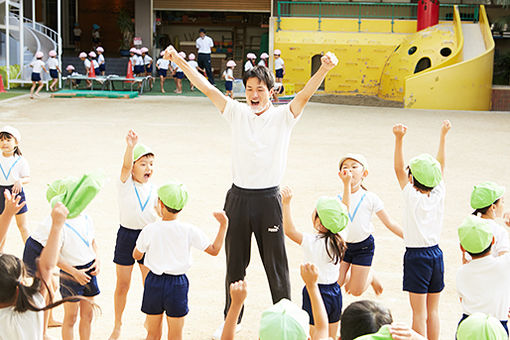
column 204, row 44
column 260, row 140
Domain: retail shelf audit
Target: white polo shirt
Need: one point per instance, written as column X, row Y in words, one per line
column 52, row 63
column 262, row 63
column 229, row 74
column 259, row 144
column 100, row 59
column 86, row 62
column 163, row 63
column 12, row 168
column 137, row 203
column 363, row 205
column 41, row 233
column 248, row 66
column 147, row 59
column 501, row 241
column 22, row 326
column 483, row 285
column 314, row 249
column 95, row 63
column 76, row 241
column 278, row 63
column 204, row 44
column 176, row 67
column 193, row 64
column 37, row 66
column 423, row 216
column 139, row 60
column 167, row 246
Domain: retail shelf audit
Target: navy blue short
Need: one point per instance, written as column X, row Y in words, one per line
column 162, row 72
column 97, row 71
column 31, row 253
column 360, row 253
column 166, row 293
column 279, row 73
column 124, row 246
column 332, row 297
column 179, row 75
column 2, row 199
column 53, row 74
column 69, row 287
column 228, row 85
column 504, row 323
column 102, row 67
column 36, row 76
column 148, row 68
column 423, row 270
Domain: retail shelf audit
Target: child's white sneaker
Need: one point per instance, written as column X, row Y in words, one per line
column 219, row 331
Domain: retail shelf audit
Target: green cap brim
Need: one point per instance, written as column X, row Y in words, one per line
column 141, row 150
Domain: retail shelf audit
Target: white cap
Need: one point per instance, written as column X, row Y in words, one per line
column 70, row 68
column 191, row 56
column 357, row 157
column 52, row 53
column 162, row 53
column 100, row 49
column 264, row 55
column 92, row 54
column 39, row 54
column 144, row 50
column 251, row 56
column 182, row 54
column 277, row 52
column 231, row 63
column 12, row 131
column 83, row 55
column 132, row 50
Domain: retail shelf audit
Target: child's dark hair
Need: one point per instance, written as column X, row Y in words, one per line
column 335, row 245
column 262, row 73
column 484, row 210
column 363, row 317
column 482, row 253
column 7, row 135
column 171, row 210
column 12, row 275
column 417, row 183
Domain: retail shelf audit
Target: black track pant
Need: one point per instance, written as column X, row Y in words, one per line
column 257, row 211
column 204, row 62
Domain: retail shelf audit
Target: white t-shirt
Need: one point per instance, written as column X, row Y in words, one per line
column 248, row 66
column 193, row 64
column 483, row 285
column 76, row 241
column 423, row 216
column 261, row 63
column 41, row 233
column 501, row 241
column 133, row 60
column 13, row 168
column 314, row 248
column 259, row 144
column 204, row 44
column 167, row 246
column 229, row 74
column 52, row 63
column 136, row 207
column 278, row 63
column 176, row 67
column 22, row 326
column 139, row 60
column 363, row 205
column 95, row 63
column 37, row 66
column 86, row 62
column 163, row 63
column 100, row 59
column 77, row 31
column 147, row 59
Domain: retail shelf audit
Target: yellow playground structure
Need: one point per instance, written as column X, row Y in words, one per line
column 445, row 66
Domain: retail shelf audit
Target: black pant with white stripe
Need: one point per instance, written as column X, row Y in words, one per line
column 204, row 62
column 257, row 211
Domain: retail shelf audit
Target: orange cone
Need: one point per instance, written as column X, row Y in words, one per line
column 129, row 73
column 2, row 90
column 92, row 72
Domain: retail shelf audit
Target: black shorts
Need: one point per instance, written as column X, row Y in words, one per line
column 53, row 74
column 36, row 76
column 31, row 253
column 228, row 85
column 21, row 195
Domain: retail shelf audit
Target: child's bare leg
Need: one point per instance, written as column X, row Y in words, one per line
column 359, row 280
column 433, row 316
column 419, row 307
column 162, row 80
column 333, row 330
column 70, row 317
column 32, row 89
column 41, row 84
column 53, row 286
column 154, row 325
column 86, row 315
column 21, row 221
column 120, row 297
column 175, row 326
column 344, row 273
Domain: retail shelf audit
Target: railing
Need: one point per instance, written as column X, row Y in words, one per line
column 39, row 27
column 366, row 10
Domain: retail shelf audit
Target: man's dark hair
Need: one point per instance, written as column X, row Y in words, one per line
column 363, row 317
column 262, row 73
column 202, row 30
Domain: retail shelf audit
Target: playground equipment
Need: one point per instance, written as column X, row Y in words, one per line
column 445, row 66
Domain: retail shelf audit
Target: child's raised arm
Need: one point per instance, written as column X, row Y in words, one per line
column 288, row 225
column 399, row 130
column 310, row 275
column 215, row 247
column 441, row 152
column 127, row 165
column 215, row 95
column 238, row 293
column 12, row 206
column 346, row 176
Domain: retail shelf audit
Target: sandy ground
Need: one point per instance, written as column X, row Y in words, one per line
column 192, row 143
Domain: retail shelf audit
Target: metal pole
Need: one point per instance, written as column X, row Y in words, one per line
column 21, row 36
column 7, row 49
column 33, row 14
column 59, row 40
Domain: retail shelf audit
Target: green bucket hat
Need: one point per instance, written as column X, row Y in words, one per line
column 475, row 234
column 284, row 321
column 485, row 194
column 75, row 194
column 426, row 169
column 173, row 195
column 332, row 213
column 141, row 150
column 479, row 326
column 382, row 334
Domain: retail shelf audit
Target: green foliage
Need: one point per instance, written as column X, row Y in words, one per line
column 127, row 29
column 13, row 72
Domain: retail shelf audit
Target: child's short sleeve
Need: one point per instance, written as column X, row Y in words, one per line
column 376, row 202
column 198, row 239
column 24, row 169
column 307, row 241
column 142, row 243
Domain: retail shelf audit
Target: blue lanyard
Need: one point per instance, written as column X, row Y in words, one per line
column 10, row 169
column 84, row 239
column 142, row 206
column 351, row 217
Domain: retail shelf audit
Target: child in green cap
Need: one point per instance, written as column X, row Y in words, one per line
column 325, row 249
column 424, row 192
column 483, row 283
column 480, row 326
column 167, row 247
column 137, row 202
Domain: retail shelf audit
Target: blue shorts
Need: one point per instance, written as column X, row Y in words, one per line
column 360, row 253
column 166, row 293
column 332, row 297
column 97, row 71
column 179, row 75
column 53, row 74
column 102, row 67
column 124, row 246
column 69, row 287
column 36, row 76
column 31, row 253
column 423, row 270
column 228, row 85
column 148, row 69
column 162, row 72
column 279, row 73
column 139, row 69
column 2, row 199
column 504, row 323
